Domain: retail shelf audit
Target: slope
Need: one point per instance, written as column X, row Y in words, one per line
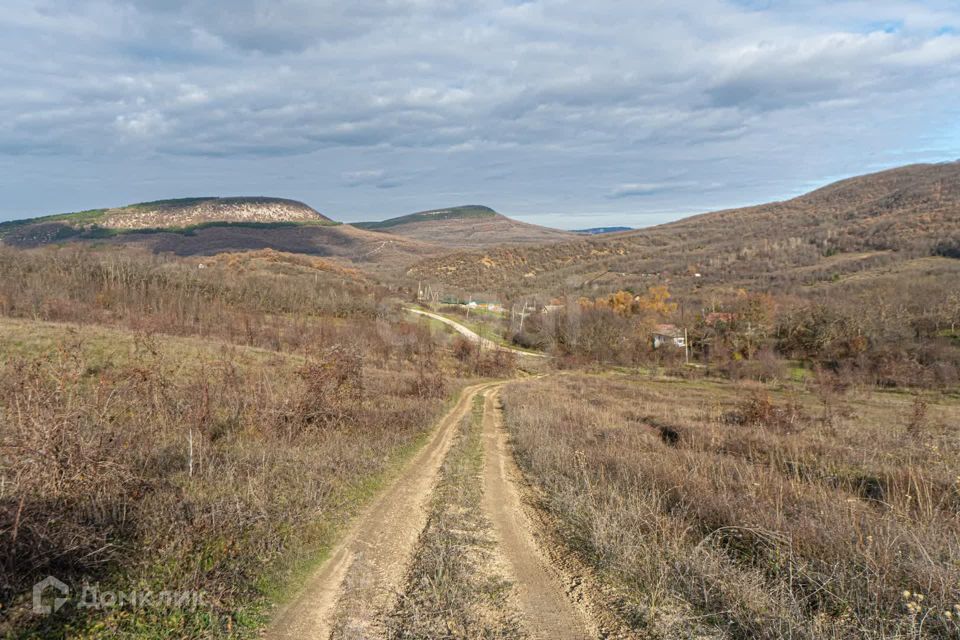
column 873, row 220
column 470, row 226
column 208, row 226
column 182, row 213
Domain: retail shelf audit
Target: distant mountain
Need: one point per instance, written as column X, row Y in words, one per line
column 850, row 227
column 185, row 212
column 209, row 226
column 465, row 212
column 595, row 231
column 465, row 227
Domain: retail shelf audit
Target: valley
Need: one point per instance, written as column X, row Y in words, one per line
column 507, row 320
column 452, row 424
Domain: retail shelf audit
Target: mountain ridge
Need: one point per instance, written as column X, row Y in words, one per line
column 448, row 213
column 887, row 216
column 205, row 226
column 466, row 227
column 183, row 213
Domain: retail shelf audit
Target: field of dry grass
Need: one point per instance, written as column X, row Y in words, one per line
column 164, row 428
column 729, row 511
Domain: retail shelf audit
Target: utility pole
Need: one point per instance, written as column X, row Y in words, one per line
column 523, row 315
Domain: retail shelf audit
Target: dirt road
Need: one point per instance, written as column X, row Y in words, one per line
column 353, row 592
column 472, row 335
column 359, row 580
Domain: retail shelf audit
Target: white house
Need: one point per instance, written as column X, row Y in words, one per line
column 668, row 334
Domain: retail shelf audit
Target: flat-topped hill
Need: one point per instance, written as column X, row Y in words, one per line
column 466, row 212
column 186, row 212
column 182, row 213
column 210, row 226
column 466, row 227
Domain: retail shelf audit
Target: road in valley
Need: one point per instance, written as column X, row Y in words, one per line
column 354, row 591
column 472, row 335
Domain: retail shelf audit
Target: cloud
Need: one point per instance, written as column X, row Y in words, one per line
column 376, row 178
column 559, row 104
column 145, row 124
column 635, row 189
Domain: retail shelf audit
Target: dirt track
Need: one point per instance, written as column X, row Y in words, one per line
column 353, row 592
column 359, row 580
column 472, row 335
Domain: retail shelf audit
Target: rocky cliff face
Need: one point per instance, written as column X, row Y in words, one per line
column 193, row 211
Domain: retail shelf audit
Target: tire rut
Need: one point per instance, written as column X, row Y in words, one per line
column 547, row 606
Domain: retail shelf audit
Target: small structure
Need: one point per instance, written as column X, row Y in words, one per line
column 716, row 317
column 669, row 335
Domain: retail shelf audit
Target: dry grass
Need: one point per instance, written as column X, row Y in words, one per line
column 213, row 478
column 909, row 212
column 223, row 461
column 743, row 512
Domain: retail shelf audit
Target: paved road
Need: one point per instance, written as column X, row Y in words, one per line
column 472, row 335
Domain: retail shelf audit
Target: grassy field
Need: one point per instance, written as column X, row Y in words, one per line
column 164, row 428
column 721, row 510
column 180, row 464
column 486, row 324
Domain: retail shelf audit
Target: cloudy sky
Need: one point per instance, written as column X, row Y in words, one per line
column 560, row 112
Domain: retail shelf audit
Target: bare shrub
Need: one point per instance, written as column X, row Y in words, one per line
column 333, row 387
column 917, row 418
column 759, row 410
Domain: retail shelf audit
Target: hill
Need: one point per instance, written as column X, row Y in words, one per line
column 594, row 231
column 851, row 226
column 470, row 211
column 471, row 226
column 184, row 212
column 209, row 226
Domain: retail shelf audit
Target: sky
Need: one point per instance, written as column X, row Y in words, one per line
column 564, row 113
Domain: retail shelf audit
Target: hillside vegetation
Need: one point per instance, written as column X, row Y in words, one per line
column 848, row 227
column 714, row 510
column 166, row 427
column 469, row 226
